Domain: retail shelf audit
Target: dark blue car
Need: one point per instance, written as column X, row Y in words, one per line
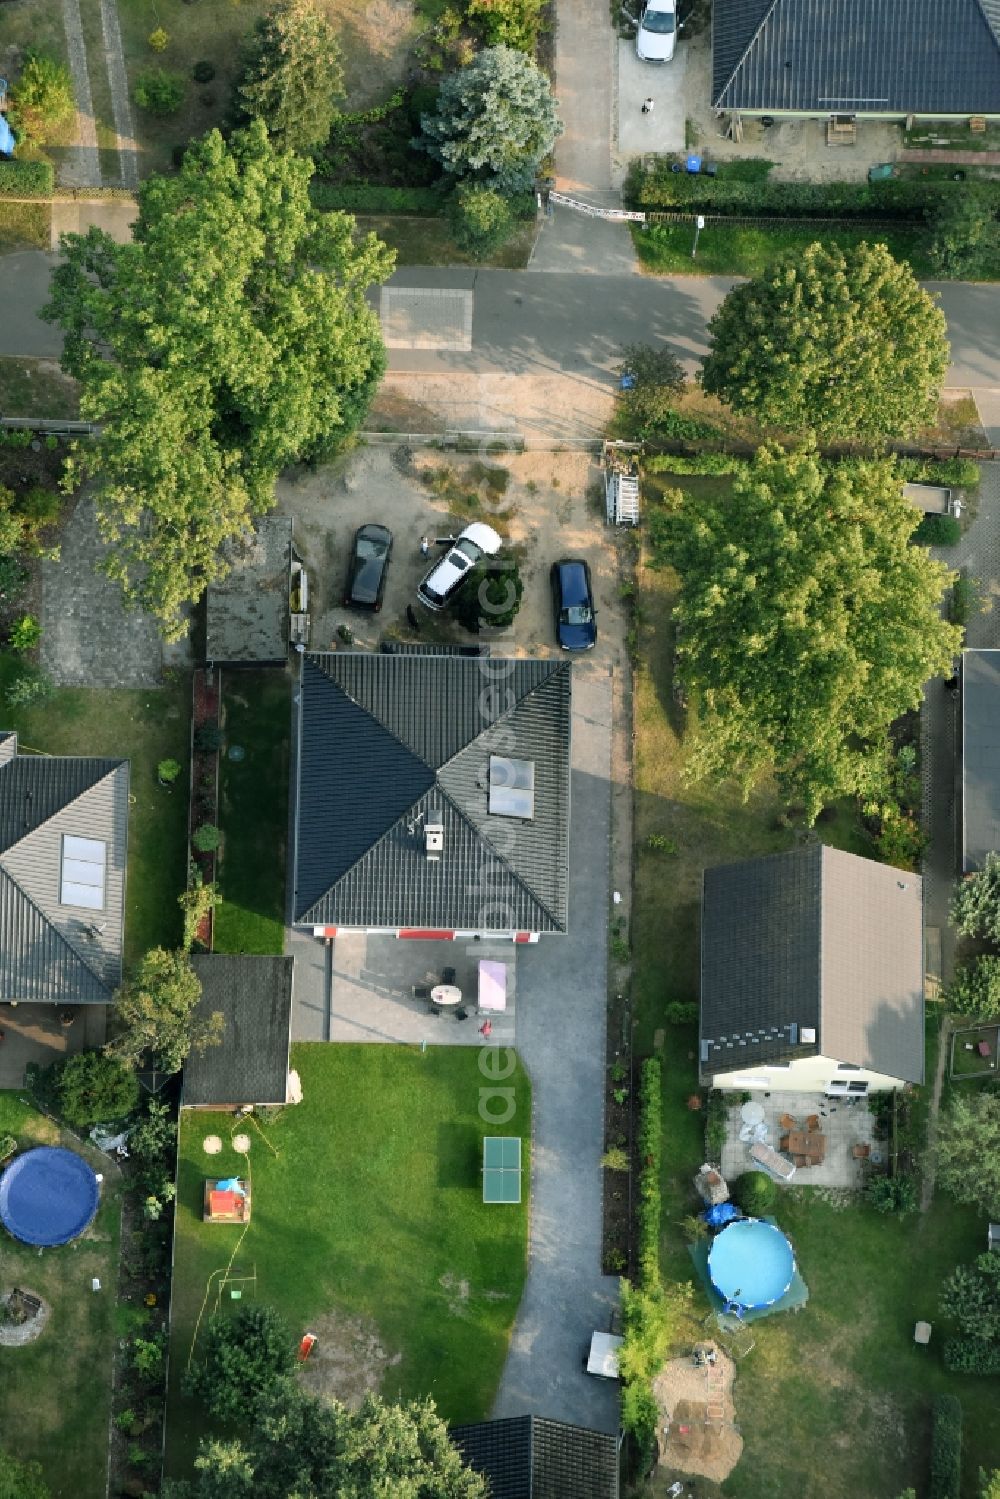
column 368, row 568
column 573, row 601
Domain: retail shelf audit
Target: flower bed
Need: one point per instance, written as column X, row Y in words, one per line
column 206, row 700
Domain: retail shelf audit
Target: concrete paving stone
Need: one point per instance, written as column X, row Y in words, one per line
column 662, row 131
column 427, row 318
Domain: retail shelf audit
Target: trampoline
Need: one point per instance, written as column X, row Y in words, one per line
column 751, row 1264
column 47, row 1196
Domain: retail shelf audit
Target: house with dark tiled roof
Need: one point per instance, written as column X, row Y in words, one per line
column 811, row 974
column 249, row 1067
column 432, row 795
column 63, row 845
column 531, row 1457
column 874, row 59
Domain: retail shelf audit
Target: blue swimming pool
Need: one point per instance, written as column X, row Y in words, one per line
column 751, row 1263
column 48, row 1196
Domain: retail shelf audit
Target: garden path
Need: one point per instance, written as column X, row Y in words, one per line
column 114, row 58
column 81, row 167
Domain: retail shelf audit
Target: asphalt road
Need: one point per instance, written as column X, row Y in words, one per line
column 563, row 321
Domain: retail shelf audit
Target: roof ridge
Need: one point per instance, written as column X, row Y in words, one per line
column 112, row 766
column 51, row 927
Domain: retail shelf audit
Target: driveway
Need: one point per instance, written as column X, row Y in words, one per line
column 561, row 1016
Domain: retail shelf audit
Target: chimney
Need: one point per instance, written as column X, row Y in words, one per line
column 434, row 834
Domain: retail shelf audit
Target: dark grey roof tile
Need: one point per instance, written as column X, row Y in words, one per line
column 250, row 1066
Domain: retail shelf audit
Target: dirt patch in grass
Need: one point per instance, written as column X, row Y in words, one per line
column 696, row 1433
column 348, row 1360
column 958, row 423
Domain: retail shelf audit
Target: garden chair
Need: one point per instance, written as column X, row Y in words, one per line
column 786, row 1121
column 812, row 1122
column 861, row 1152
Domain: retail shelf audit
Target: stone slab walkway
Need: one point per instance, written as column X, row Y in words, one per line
column 114, row 61
column 81, row 167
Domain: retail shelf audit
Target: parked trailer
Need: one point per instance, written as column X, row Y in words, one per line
column 934, row 499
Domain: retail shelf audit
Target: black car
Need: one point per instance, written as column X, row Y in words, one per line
column 369, row 568
column 573, row 601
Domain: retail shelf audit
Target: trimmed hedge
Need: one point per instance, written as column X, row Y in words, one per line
column 946, row 1448
column 895, row 199
column 697, row 463
column 971, row 1356
column 755, row 1192
column 26, row 179
column 938, row 531
column 370, row 197
column 650, row 1146
column 958, row 473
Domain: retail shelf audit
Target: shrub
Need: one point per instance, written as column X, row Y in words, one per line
column 971, row 1356
column 680, row 1011
column 975, row 906
column 203, row 72
column 652, row 377
column 964, row 601
column 31, row 685
column 754, row 1192
column 491, row 595
column 206, row 838
column 892, row 1194
column 938, row 531
column 208, row 737
column 371, row 197
column 481, row 220
column 507, row 23
column 25, row 633
column 26, row 179
column 715, row 1125
column 975, row 988
column 12, row 580
column 43, row 95
column 698, row 463
column 964, row 231
column 159, row 92
column 244, row 1354
column 158, row 40
column 92, row 1088
column 167, row 771
column 946, row 1448
column 646, row 1332
column 615, row 1159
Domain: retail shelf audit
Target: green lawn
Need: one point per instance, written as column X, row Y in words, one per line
column 36, row 387
column 833, row 1401
column 55, row 1393
column 970, row 1063
column 424, row 240
column 254, row 812
column 144, row 727
column 745, row 249
column 24, row 226
column 366, row 1203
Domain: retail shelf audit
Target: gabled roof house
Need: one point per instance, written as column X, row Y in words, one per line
column 881, row 59
column 63, row 844
column 432, row 795
column 811, row 974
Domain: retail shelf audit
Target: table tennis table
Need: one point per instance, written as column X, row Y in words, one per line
column 501, row 1168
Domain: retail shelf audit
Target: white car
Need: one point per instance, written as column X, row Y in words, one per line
column 657, row 32
column 445, row 578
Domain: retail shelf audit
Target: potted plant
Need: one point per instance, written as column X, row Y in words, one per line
column 167, row 772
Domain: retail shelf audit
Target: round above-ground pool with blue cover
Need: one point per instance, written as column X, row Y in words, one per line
column 751, row 1263
column 48, row 1196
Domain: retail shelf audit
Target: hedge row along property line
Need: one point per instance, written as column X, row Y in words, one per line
column 644, row 1311
column 895, row 200
column 26, row 179
column 946, row 1448
column 650, row 1147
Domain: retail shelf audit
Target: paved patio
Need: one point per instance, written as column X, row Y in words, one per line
column 360, row 988
column 33, row 1033
column 843, row 1123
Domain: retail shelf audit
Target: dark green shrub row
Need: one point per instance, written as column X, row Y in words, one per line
column 715, row 1125
column 650, row 1143
column 906, row 199
column 370, row 197
column 971, row 1356
column 938, row 531
column 946, row 1448
column 892, row 1194
column 959, row 473
column 26, row 179
column 697, row 463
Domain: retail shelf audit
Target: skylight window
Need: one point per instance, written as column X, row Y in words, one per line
column 84, row 861
column 512, row 787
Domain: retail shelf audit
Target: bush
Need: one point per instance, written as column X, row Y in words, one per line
column 954, row 473
column 25, row 633
column 975, row 988
column 167, row 771
column 31, row 685
column 964, row 231
column 946, row 1448
column 975, row 905
column 91, row 1088
column 244, row 1354
column 43, row 95
column 203, row 72
column 158, row 40
column 755, row 1193
column 646, row 1333
column 715, row 1125
column 481, row 220
column 964, row 601
column 491, row 595
column 12, row 580
column 370, row 197
column 892, row 1194
column 680, row 1012
column 26, row 179
column 207, row 838
column 208, row 737
column 653, row 375
column 971, row 1356
column 159, row 92
column 938, row 531
column 699, row 463
column 507, row 23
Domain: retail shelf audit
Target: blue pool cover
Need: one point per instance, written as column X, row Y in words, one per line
column 47, row 1196
column 751, row 1264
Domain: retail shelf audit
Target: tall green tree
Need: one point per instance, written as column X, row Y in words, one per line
column 965, row 231
column 292, row 78
column 967, row 1151
column 841, row 343
column 975, row 989
column 806, row 621
column 241, row 1357
column 494, row 121
column 298, row 1447
column 230, row 338
column 975, row 906
column 156, row 1012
